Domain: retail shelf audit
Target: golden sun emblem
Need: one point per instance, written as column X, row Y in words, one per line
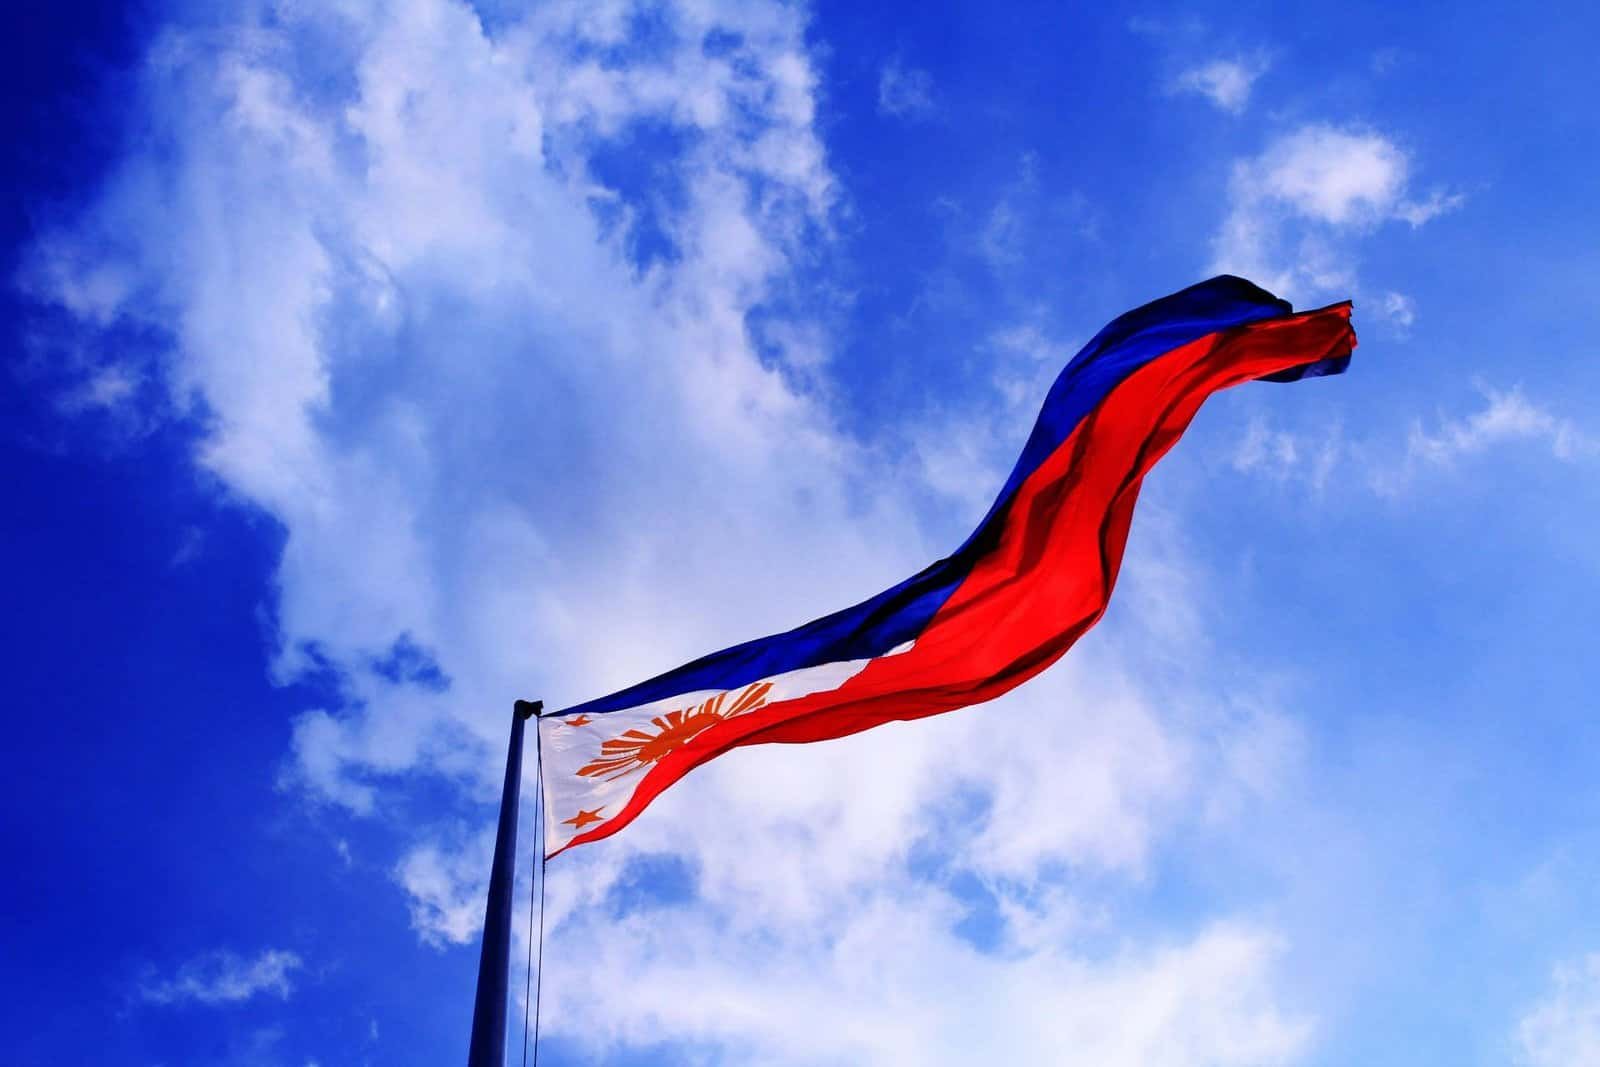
column 638, row 748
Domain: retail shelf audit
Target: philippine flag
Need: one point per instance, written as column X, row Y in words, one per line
column 1033, row 577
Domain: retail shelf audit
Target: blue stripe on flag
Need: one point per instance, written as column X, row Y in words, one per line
column 898, row 615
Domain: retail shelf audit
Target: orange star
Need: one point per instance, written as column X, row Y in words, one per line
column 584, row 818
column 581, row 720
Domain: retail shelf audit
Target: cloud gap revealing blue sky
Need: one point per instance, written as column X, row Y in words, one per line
column 368, row 366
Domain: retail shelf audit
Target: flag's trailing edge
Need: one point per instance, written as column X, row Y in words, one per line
column 1033, row 577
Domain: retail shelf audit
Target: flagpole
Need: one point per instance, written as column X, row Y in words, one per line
column 488, row 1046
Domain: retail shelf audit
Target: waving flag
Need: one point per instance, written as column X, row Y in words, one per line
column 1032, row 578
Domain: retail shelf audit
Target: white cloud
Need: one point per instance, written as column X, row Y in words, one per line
column 1385, row 60
column 1026, row 225
column 1331, row 175
column 1563, row 1028
column 1283, row 456
column 445, row 884
column 1399, row 310
column 404, row 308
column 1266, row 449
column 904, row 92
column 894, row 988
column 1225, row 82
column 223, row 977
column 1388, row 467
column 1295, row 209
column 1438, row 202
column 108, row 388
column 329, row 303
column 1506, row 417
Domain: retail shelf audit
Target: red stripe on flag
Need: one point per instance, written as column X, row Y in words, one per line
column 1050, row 577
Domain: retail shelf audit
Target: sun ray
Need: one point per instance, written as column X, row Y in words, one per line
column 637, row 748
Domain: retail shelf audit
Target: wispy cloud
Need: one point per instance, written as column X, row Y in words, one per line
column 1294, row 209
column 904, row 91
column 1437, row 202
column 1506, row 419
column 1563, row 1028
column 1225, row 82
column 445, row 884
column 1282, row 456
column 1399, row 310
column 224, row 977
column 1507, row 416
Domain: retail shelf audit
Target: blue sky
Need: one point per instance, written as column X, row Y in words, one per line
column 370, row 366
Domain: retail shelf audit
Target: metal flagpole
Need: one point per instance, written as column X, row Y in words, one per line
column 488, row 1047
column 535, row 968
